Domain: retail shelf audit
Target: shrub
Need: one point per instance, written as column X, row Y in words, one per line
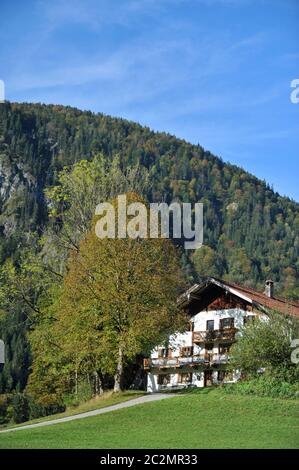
column 266, row 343
column 36, row 410
column 20, row 408
column 264, row 386
column 84, row 393
column 4, row 408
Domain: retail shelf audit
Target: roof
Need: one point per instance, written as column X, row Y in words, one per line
column 247, row 294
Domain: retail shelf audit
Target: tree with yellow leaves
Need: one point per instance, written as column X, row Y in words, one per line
column 119, row 299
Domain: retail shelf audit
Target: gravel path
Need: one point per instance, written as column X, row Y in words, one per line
column 107, row 409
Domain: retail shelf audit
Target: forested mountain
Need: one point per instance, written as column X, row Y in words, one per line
column 250, row 231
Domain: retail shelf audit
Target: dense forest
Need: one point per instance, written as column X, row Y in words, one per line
column 250, row 231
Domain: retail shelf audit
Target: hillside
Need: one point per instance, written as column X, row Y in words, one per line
column 200, row 423
column 243, row 217
column 250, row 231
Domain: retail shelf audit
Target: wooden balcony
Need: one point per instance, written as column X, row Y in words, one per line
column 218, row 359
column 182, row 362
column 207, row 336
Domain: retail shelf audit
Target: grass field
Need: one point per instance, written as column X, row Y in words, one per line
column 107, row 399
column 206, row 419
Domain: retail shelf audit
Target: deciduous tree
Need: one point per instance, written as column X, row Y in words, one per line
column 265, row 343
column 119, row 298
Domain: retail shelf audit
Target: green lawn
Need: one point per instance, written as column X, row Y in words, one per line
column 107, row 399
column 207, row 419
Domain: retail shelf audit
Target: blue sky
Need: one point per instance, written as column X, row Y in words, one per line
column 215, row 72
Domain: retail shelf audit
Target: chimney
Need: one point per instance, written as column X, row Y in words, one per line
column 269, row 288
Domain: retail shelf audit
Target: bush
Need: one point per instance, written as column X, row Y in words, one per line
column 4, row 408
column 264, row 387
column 19, row 407
column 84, row 393
column 266, row 344
column 36, row 410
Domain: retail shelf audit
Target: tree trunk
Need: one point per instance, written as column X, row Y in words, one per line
column 98, row 384
column 119, row 372
column 101, row 390
column 76, row 381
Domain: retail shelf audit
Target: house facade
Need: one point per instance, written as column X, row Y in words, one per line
column 199, row 357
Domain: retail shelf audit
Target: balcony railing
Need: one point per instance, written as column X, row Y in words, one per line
column 225, row 334
column 191, row 361
column 219, row 359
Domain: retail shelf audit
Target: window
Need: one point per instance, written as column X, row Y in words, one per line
column 224, row 348
column 164, row 352
column 187, row 351
column 229, row 376
column 210, row 325
column 226, row 323
column 161, row 352
column 221, row 375
column 248, row 319
column 224, row 375
column 209, row 348
column 163, row 379
column 191, row 325
column 208, row 378
column 185, row 378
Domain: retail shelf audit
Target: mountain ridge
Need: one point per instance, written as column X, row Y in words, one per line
column 38, row 140
column 159, row 133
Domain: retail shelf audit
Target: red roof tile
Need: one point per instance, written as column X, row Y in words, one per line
column 284, row 306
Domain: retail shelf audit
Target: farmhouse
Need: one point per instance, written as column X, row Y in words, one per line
column 217, row 309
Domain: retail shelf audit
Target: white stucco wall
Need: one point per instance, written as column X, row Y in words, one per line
column 152, row 380
column 200, row 319
column 180, row 340
column 197, row 379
